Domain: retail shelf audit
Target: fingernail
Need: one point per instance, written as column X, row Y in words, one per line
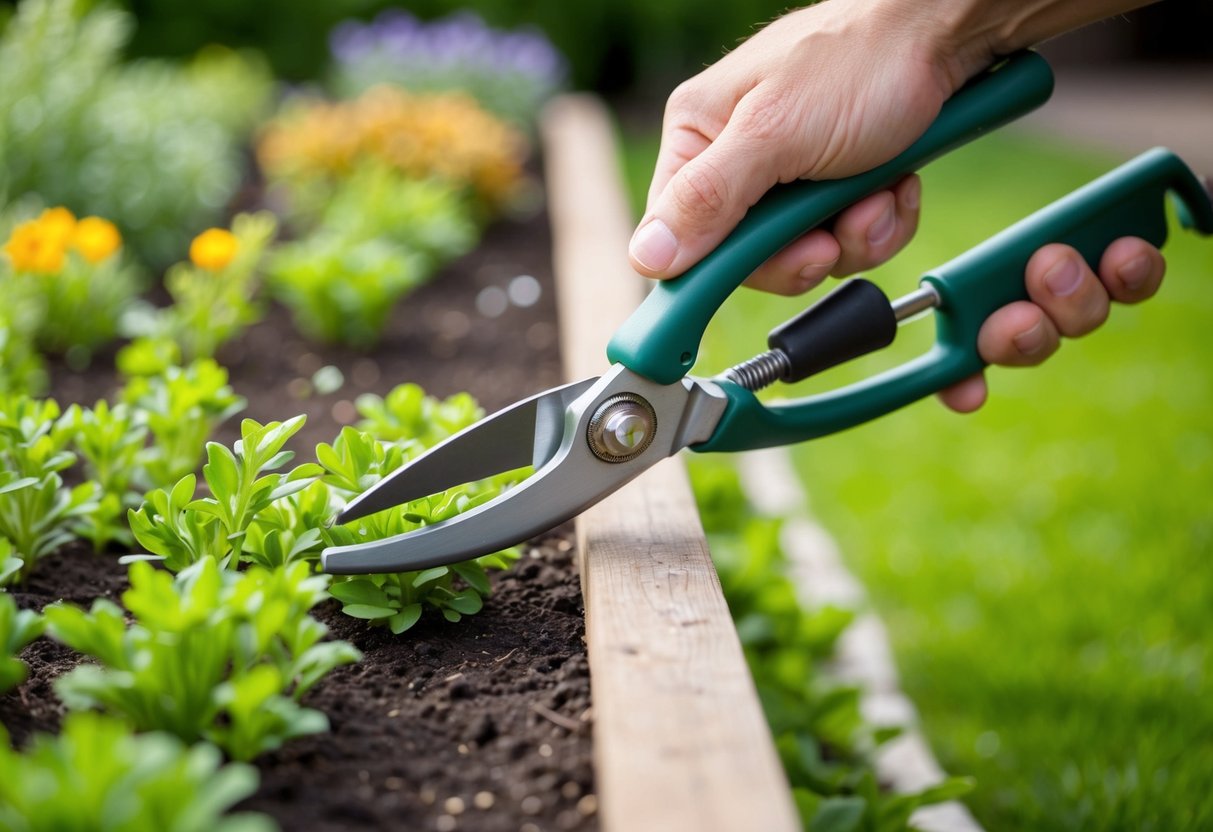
column 912, row 195
column 881, row 231
column 654, row 245
column 1134, row 273
column 1030, row 341
column 1064, row 278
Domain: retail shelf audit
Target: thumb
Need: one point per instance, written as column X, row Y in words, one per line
column 702, row 202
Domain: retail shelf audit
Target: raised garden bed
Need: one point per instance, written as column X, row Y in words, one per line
column 482, row 724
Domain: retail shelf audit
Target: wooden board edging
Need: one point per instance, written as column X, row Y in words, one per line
column 680, row 741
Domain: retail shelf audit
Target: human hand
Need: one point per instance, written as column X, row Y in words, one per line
column 831, row 91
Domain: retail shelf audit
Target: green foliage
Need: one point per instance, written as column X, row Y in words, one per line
column 181, row 406
column 21, row 367
column 209, row 307
column 355, row 462
column 38, row 513
column 341, row 290
column 98, row 775
column 174, row 526
column 75, row 124
column 69, row 296
column 822, row 740
column 110, row 441
column 408, row 414
column 373, row 237
column 17, row 629
column 212, row 654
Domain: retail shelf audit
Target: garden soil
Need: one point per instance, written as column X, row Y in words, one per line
column 480, row 725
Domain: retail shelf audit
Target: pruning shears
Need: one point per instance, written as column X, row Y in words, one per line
column 587, row 439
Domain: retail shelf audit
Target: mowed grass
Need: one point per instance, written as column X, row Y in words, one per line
column 1045, row 567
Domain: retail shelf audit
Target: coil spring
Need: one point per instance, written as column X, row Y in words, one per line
column 760, row 371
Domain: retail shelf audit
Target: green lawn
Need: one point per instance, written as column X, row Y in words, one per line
column 1045, row 566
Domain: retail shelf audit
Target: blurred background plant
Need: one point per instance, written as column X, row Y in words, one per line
column 153, row 146
column 384, row 189
column 66, row 283
column 510, row 73
column 214, row 294
column 445, row 136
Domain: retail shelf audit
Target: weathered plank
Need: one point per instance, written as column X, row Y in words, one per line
column 680, row 741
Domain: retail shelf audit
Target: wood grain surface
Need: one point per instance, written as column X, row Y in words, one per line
column 680, row 742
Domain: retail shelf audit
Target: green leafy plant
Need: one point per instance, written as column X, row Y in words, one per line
column 38, row 513
column 22, row 369
column 69, row 279
column 74, row 123
column 174, row 526
column 408, row 414
column 212, row 654
column 371, row 237
column 213, row 294
column 110, row 441
column 98, row 775
column 354, row 462
column 823, row 742
column 17, row 629
column 181, row 406
column 340, row 289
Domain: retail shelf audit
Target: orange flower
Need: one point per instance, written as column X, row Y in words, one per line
column 96, row 239
column 35, row 247
column 214, row 248
column 58, row 224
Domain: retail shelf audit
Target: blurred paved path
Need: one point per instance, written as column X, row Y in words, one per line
column 1128, row 109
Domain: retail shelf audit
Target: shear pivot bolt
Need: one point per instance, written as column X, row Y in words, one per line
column 622, row 428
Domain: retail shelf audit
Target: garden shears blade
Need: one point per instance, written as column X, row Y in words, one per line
column 585, row 439
column 589, row 438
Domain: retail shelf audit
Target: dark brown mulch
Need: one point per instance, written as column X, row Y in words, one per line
column 480, row 725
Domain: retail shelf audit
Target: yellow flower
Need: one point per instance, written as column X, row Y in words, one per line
column 96, row 239
column 214, row 248
column 58, row 224
column 34, row 247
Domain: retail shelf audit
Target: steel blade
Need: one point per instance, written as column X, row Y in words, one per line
column 571, row 480
column 525, row 433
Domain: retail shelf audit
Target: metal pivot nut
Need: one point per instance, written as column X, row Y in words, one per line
column 622, row 428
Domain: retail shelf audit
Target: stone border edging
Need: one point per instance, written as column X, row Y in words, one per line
column 863, row 657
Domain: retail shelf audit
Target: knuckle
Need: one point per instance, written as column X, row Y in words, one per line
column 700, row 190
column 683, row 98
column 763, row 120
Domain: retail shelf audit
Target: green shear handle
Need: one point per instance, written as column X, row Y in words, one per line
column 661, row 339
column 1129, row 201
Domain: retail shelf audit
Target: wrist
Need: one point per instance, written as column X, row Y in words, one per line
column 955, row 38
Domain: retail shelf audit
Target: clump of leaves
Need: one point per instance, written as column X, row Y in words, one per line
column 340, row 290
column 356, row 461
column 370, row 238
column 181, row 407
column 180, row 529
column 38, row 513
column 407, row 414
column 69, row 279
column 213, row 294
column 212, row 654
column 822, row 739
column 96, row 774
column 17, row 629
column 110, row 441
